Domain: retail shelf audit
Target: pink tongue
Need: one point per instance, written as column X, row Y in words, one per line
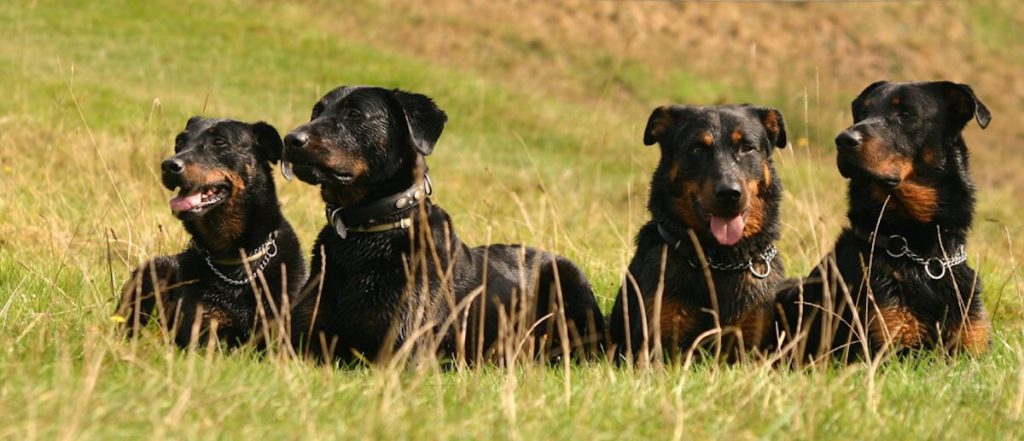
column 727, row 231
column 185, row 203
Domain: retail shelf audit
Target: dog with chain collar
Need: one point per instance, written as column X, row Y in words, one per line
column 706, row 267
column 897, row 279
column 391, row 275
column 244, row 259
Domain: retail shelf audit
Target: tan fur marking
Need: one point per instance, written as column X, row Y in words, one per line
column 767, row 174
column 217, row 315
column 897, row 327
column 755, row 210
column 879, row 159
column 918, row 200
column 975, row 336
column 771, row 123
column 677, row 325
column 684, row 205
column 929, row 157
column 737, row 136
column 220, row 230
column 707, row 139
column 754, row 326
column 896, row 101
column 663, row 123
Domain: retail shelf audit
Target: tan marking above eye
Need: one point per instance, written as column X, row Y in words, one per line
column 737, row 136
column 707, row 139
column 896, row 101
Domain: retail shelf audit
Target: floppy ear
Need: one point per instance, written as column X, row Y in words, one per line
column 662, row 120
column 268, row 141
column 858, row 102
column 774, row 124
column 964, row 104
column 424, row 120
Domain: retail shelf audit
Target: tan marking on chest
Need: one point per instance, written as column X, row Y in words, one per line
column 896, row 326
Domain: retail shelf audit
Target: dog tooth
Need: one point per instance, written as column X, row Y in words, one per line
column 286, row 170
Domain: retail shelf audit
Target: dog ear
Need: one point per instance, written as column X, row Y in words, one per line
column 268, row 141
column 424, row 120
column 194, row 119
column 662, row 120
column 964, row 104
column 773, row 124
column 858, row 102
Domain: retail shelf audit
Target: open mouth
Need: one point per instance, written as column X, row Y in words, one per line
column 726, row 228
column 314, row 174
column 200, row 199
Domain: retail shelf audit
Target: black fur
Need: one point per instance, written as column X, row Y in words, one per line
column 904, row 152
column 703, row 151
column 373, row 292
column 234, row 158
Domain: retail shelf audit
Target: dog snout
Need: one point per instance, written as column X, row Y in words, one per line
column 849, row 140
column 173, row 166
column 296, row 139
column 728, row 193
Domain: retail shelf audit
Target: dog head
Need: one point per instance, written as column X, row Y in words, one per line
column 715, row 167
column 361, row 142
column 905, row 140
column 216, row 162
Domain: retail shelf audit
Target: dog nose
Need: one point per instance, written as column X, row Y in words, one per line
column 848, row 140
column 296, row 139
column 728, row 193
column 173, row 166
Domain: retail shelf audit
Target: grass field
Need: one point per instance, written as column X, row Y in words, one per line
column 546, row 101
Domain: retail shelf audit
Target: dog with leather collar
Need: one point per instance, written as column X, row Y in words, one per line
column 366, row 218
column 897, row 279
column 393, row 274
column 705, row 269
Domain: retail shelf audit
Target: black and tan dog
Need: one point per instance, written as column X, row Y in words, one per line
column 707, row 259
column 389, row 268
column 228, row 203
column 897, row 278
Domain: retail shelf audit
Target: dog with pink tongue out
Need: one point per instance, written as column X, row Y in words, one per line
column 706, row 268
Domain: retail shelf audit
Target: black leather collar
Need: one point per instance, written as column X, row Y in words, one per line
column 371, row 217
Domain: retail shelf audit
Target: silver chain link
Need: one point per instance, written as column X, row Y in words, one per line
column 269, row 250
column 945, row 263
column 767, row 256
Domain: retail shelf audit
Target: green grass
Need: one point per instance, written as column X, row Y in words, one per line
column 94, row 93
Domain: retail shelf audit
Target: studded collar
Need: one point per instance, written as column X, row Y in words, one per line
column 376, row 216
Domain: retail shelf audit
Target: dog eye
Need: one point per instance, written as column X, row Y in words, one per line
column 220, row 142
column 747, row 148
column 353, row 114
column 906, row 113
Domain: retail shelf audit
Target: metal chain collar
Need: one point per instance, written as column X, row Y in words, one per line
column 935, row 267
column 268, row 249
column 766, row 256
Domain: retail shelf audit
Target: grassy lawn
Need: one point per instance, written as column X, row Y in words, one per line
column 543, row 147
